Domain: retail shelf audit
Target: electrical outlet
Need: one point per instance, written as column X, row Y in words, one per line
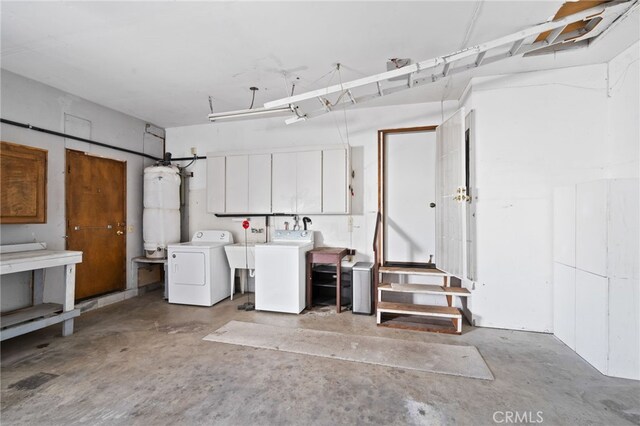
column 130, row 229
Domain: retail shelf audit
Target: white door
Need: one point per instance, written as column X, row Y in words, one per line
column 410, row 189
column 187, row 268
column 451, row 217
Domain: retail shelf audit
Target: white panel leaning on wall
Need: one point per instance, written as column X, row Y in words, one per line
column 596, row 273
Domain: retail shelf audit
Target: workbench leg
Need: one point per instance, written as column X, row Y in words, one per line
column 69, row 297
column 339, row 286
column 38, row 286
column 67, row 327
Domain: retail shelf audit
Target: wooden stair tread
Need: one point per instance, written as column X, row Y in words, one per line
column 425, row 310
column 411, row 271
column 425, row 289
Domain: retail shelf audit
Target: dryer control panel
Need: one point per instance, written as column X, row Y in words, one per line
column 211, row 236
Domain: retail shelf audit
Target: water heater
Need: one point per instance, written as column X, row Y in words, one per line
column 161, row 214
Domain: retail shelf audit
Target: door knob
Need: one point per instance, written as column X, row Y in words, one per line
column 119, row 232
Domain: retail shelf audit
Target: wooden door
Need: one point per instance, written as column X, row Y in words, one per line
column 96, row 222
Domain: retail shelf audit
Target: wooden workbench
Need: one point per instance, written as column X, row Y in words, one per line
column 327, row 255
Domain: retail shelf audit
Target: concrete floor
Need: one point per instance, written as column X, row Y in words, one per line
column 143, row 361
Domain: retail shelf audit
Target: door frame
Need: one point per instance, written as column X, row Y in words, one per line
column 382, row 144
column 124, row 207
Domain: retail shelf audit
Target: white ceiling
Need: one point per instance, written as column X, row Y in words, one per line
column 160, row 61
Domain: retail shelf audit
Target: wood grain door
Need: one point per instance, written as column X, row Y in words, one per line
column 96, row 222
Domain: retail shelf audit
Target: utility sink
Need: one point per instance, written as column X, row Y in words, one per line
column 240, row 257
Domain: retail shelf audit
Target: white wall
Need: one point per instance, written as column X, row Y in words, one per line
column 260, row 134
column 623, row 129
column 28, row 101
column 534, row 132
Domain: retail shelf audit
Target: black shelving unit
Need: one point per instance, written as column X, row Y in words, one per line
column 324, row 285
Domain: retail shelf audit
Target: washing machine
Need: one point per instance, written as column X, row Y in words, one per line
column 280, row 281
column 198, row 270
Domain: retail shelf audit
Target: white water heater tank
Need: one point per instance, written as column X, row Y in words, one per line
column 161, row 214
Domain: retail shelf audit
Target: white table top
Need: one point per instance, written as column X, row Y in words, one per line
column 37, row 259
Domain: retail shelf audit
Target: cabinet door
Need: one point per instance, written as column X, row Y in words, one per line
column 334, row 181
column 309, row 182
column 591, row 227
column 564, row 225
column 215, row 184
column 260, row 183
column 564, row 304
column 283, row 175
column 237, row 188
column 592, row 325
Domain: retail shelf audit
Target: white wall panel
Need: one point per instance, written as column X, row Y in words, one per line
column 564, row 304
column 564, row 225
column 591, row 227
column 623, row 228
column 624, row 328
column 592, row 308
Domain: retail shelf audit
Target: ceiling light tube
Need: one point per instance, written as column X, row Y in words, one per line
column 242, row 113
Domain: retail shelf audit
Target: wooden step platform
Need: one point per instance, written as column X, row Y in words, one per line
column 417, row 323
column 412, row 271
column 430, row 311
column 425, row 289
column 422, row 310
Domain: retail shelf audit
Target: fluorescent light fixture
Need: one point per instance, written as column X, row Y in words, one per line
column 242, row 113
column 295, row 119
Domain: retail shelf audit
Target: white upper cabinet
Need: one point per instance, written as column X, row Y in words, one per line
column 309, row 182
column 260, row 183
column 237, row 186
column 304, row 182
column 334, row 181
column 216, row 184
column 283, row 175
